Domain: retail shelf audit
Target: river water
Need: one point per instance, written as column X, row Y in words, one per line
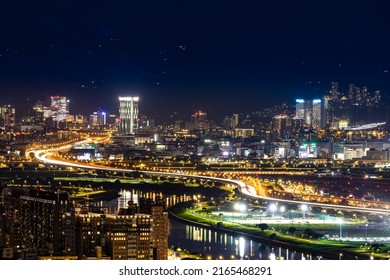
column 216, row 245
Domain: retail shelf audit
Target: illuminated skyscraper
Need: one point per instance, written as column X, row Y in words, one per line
column 199, row 121
column 300, row 108
column 7, row 119
column 316, row 114
column 326, row 111
column 60, row 108
column 310, row 111
column 128, row 113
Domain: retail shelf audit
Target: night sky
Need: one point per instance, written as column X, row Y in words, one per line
column 180, row 56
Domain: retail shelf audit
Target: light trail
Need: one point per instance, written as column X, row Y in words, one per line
column 43, row 155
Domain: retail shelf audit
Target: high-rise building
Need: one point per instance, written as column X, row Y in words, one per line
column 38, row 114
column 309, row 111
column 35, row 219
column 128, row 113
column 119, row 237
column 281, row 122
column 326, row 111
column 300, row 108
column 199, row 121
column 98, row 118
column 160, row 225
column 316, row 114
column 7, row 118
column 60, row 107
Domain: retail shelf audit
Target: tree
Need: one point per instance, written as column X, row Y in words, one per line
column 312, row 233
column 272, row 236
column 292, row 230
column 263, row 227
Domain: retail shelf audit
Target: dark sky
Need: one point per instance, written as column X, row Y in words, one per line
column 219, row 56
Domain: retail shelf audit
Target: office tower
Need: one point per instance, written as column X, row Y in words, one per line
column 326, row 112
column 128, row 113
column 309, row 111
column 199, row 121
column 300, row 108
column 60, row 108
column 316, row 114
column 38, row 116
column 281, row 122
column 35, row 220
column 98, row 118
column 7, row 119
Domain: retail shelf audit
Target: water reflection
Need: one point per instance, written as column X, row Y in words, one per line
column 216, row 245
column 134, row 195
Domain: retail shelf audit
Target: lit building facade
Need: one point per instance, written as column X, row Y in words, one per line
column 60, row 108
column 300, row 108
column 35, row 220
column 244, row 132
column 128, row 113
column 199, row 121
column 118, row 237
column 98, row 118
column 316, row 114
column 310, row 112
column 7, row 118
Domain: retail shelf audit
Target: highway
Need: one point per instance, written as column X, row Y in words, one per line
column 44, row 156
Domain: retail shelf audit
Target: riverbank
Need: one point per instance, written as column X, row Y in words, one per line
column 324, row 248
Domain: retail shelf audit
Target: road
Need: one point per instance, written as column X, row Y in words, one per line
column 44, row 156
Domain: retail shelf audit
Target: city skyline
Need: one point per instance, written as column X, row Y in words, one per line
column 189, row 58
column 354, row 94
column 194, row 130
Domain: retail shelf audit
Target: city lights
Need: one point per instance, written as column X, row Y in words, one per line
column 185, row 140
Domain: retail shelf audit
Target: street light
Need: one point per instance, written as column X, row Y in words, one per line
column 273, row 208
column 240, row 207
column 366, row 231
column 304, row 208
column 282, row 209
column 340, row 222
